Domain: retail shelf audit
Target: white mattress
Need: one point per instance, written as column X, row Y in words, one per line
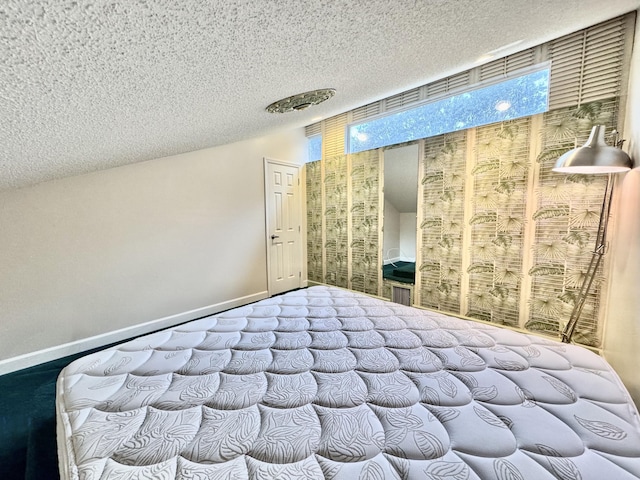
column 327, row 383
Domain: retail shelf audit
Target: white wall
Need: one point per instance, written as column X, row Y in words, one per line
column 622, row 335
column 399, row 236
column 408, row 229
column 391, row 233
column 84, row 256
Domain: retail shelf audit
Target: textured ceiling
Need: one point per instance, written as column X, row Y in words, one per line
column 92, row 84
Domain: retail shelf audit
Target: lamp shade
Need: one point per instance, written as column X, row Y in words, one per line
column 595, row 156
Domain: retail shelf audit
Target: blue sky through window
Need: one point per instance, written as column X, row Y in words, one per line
column 514, row 98
column 314, row 145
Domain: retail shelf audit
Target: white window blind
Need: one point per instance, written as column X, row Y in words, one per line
column 402, row 99
column 442, row 87
column 313, row 129
column 366, row 111
column 587, row 65
column 507, row 65
column 480, row 186
column 334, row 135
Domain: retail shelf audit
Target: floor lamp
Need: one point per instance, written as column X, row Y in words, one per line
column 594, row 157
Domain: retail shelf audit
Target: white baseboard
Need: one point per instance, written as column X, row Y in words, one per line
column 59, row 351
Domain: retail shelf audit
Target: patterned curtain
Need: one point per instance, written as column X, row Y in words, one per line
column 502, row 238
column 336, row 210
column 314, row 221
column 365, row 217
column 441, row 192
column 566, row 221
column 500, row 177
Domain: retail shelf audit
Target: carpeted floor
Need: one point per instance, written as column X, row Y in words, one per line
column 404, row 272
column 28, row 447
column 28, row 421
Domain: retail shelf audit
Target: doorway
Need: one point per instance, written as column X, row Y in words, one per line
column 400, row 223
column 400, row 204
column 283, row 222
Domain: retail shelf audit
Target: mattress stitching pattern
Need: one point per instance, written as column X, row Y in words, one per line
column 327, row 383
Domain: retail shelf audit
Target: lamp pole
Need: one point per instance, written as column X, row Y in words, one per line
column 594, row 157
column 594, row 263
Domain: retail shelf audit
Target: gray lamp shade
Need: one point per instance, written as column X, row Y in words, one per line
column 595, row 156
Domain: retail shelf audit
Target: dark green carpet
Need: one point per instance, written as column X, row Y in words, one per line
column 28, row 447
column 28, row 421
column 404, row 272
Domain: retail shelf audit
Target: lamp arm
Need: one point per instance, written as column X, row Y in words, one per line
column 596, row 257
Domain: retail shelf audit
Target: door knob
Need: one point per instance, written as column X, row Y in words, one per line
column 273, row 237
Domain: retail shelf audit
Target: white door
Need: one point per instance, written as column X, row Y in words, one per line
column 284, row 247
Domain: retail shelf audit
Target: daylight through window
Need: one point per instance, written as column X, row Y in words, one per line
column 514, row 98
column 314, row 146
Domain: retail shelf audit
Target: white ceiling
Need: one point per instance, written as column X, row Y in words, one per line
column 92, row 84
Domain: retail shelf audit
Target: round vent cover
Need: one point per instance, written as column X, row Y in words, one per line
column 301, row 101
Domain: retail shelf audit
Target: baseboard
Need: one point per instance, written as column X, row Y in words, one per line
column 59, row 351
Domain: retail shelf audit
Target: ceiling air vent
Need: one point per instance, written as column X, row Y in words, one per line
column 301, row 101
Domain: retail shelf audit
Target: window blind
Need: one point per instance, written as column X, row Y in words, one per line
column 504, row 66
column 400, row 100
column 333, row 136
column 473, row 195
column 449, row 84
column 587, row 65
column 366, row 111
column 313, row 129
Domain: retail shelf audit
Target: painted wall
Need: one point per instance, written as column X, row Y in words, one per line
column 92, row 254
column 622, row 337
column 399, row 236
column 408, row 228
column 391, row 233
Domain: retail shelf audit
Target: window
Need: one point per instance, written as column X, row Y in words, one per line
column 314, row 146
column 514, row 98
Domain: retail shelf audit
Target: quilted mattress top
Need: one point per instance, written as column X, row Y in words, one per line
column 327, row 383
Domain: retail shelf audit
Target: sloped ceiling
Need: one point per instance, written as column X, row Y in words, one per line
column 92, row 84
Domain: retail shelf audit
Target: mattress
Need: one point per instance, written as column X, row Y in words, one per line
column 332, row 384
